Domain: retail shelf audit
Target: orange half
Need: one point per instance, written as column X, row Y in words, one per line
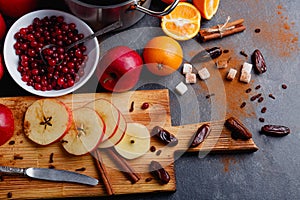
column 207, row 8
column 183, row 23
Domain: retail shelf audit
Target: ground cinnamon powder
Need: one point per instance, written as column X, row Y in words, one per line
column 277, row 33
column 235, row 90
column 227, row 161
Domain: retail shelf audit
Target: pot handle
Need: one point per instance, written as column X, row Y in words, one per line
column 156, row 13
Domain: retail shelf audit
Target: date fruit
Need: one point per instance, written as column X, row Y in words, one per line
column 275, row 130
column 202, row 132
column 165, row 136
column 238, row 129
column 208, row 54
column 258, row 62
column 159, row 172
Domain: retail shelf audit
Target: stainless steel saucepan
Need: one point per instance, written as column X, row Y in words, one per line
column 100, row 13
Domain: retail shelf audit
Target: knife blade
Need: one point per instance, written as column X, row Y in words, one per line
column 49, row 174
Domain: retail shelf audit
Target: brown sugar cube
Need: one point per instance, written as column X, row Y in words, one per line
column 245, row 77
column 187, row 68
column 204, row 73
column 222, row 64
column 190, row 78
column 231, row 74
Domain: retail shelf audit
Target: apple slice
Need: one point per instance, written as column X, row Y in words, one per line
column 86, row 132
column 109, row 113
column 118, row 135
column 135, row 143
column 46, row 121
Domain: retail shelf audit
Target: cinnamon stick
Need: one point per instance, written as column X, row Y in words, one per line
column 236, row 27
column 124, row 166
column 210, row 36
column 234, row 23
column 103, row 173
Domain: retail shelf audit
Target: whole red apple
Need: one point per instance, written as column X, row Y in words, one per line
column 2, row 27
column 7, row 125
column 119, row 69
column 1, row 67
column 17, row 8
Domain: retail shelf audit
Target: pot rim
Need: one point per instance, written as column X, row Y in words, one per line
column 98, row 6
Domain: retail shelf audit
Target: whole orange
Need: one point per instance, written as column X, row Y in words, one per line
column 171, row 1
column 162, row 55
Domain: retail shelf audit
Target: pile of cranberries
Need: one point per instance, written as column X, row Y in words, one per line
column 60, row 69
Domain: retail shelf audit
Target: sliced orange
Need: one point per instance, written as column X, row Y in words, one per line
column 183, row 23
column 207, row 8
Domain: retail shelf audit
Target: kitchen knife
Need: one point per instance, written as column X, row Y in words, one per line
column 49, row 174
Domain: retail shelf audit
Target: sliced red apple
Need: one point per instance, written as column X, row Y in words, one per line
column 136, row 141
column 46, row 121
column 86, row 132
column 118, row 136
column 109, row 113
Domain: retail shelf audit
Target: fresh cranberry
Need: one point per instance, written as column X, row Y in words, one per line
column 63, row 69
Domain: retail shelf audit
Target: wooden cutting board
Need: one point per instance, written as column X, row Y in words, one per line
column 20, row 152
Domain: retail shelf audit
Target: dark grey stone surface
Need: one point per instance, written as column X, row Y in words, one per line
column 273, row 172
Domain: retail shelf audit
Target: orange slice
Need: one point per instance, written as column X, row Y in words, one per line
column 207, row 8
column 183, row 22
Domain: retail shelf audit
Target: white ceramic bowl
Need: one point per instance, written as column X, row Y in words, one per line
column 11, row 59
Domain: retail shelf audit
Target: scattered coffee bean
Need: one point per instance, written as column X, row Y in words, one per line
column 12, row 142
column 260, row 99
column 263, row 110
column 18, row 157
column 238, row 129
column 9, row 195
column 165, row 136
column 261, row 119
column 275, row 130
column 202, row 132
column 258, row 61
column 80, row 169
column 159, row 172
column 257, row 87
column 51, row 158
column 243, row 53
column 51, row 167
column 271, row 96
column 225, row 51
column 284, row 86
column 158, row 152
column 145, row 106
column 248, row 90
column 257, row 30
column 152, row 148
column 253, row 98
column 148, row 179
column 229, row 59
column 131, row 109
column 243, row 105
column 209, row 95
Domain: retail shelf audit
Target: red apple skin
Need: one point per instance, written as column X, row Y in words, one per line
column 119, row 69
column 1, row 67
column 7, row 124
column 17, row 8
column 2, row 27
